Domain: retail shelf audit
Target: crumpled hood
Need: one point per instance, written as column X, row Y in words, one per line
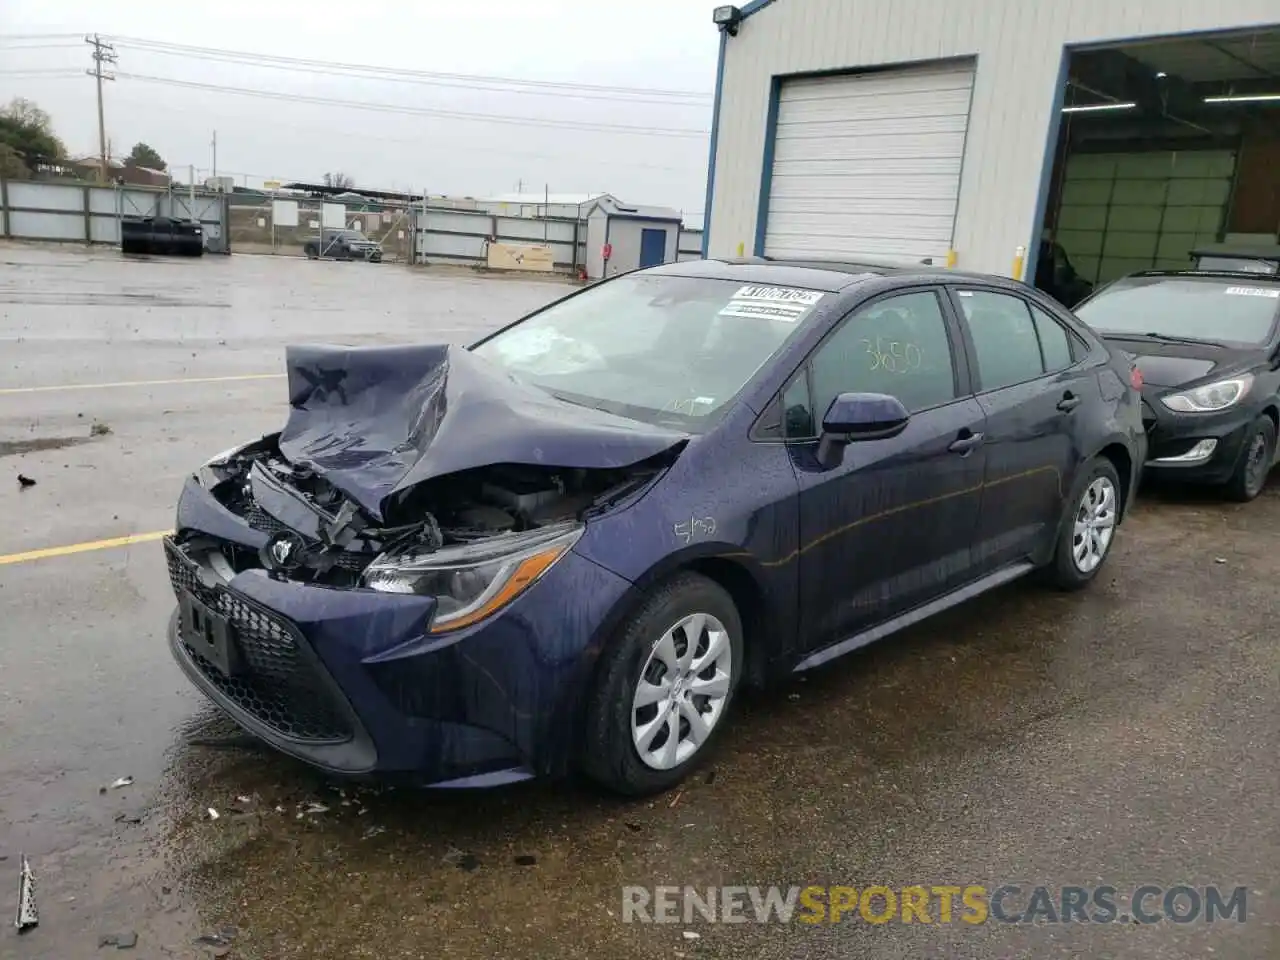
column 375, row 421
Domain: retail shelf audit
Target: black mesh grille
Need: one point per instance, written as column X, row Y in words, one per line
column 278, row 686
column 259, row 519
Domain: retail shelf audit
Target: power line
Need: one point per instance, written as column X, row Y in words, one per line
column 338, row 70
column 217, row 53
column 49, row 72
column 226, row 122
column 11, row 37
column 421, row 111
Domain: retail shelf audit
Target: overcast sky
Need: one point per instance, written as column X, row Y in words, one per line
column 650, row 44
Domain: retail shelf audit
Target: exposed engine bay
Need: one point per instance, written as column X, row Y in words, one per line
column 340, row 539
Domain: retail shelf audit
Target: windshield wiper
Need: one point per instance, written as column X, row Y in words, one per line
column 1170, row 338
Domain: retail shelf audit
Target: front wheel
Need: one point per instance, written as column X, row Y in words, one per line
column 1256, row 457
column 1084, row 542
column 664, row 685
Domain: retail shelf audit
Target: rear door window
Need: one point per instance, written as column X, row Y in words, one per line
column 1055, row 342
column 1005, row 342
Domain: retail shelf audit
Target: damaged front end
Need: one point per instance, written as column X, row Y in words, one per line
column 446, row 537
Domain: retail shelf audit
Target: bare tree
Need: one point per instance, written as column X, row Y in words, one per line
column 339, row 181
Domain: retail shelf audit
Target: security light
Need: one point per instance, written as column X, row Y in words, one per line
column 728, row 19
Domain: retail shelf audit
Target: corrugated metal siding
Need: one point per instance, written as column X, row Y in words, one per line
column 1018, row 44
column 869, row 164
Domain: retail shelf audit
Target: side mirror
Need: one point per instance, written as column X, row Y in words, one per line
column 855, row 417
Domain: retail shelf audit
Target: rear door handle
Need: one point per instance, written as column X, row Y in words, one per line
column 1068, row 402
column 965, row 444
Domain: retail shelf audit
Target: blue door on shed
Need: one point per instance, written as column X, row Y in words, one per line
column 653, row 247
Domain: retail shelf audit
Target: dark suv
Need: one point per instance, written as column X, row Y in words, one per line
column 343, row 245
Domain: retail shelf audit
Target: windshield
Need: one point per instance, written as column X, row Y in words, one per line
column 352, row 235
column 1211, row 309
column 657, row 348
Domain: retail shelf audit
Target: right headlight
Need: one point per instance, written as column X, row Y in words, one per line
column 473, row 582
column 1211, row 397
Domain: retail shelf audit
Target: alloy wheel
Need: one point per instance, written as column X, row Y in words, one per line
column 682, row 691
column 1095, row 525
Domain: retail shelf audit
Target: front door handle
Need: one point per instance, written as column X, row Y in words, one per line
column 965, row 443
column 1068, row 402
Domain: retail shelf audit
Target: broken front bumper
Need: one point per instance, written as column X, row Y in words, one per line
column 351, row 681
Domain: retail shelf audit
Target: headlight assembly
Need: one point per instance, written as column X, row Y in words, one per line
column 475, row 581
column 1211, row 397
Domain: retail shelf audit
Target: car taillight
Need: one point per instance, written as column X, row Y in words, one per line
column 1135, row 378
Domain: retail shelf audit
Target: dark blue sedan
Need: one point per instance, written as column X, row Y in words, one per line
column 567, row 546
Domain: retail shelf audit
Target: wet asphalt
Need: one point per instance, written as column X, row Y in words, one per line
column 1122, row 736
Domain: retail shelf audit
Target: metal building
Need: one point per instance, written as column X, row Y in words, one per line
column 634, row 236
column 970, row 131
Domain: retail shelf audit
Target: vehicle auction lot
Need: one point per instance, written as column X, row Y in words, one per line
column 1124, row 736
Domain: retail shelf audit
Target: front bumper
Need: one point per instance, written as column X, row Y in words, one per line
column 1176, row 447
column 349, row 680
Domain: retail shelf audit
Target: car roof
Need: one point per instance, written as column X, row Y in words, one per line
column 818, row 274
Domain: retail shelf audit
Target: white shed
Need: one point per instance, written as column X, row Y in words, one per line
column 968, row 133
column 635, row 236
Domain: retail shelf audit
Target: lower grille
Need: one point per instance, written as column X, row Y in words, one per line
column 278, row 686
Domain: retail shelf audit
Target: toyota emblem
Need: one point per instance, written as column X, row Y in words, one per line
column 284, row 551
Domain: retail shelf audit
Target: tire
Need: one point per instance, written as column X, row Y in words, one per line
column 1073, row 568
column 609, row 752
column 1256, row 457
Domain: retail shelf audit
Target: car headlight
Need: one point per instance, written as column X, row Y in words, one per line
column 475, row 581
column 1210, row 397
column 221, row 458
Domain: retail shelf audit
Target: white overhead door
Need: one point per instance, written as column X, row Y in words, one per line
column 869, row 164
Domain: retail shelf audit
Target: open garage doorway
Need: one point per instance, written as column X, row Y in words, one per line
column 1164, row 147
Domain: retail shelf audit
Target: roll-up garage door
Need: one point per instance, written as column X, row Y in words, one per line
column 869, row 164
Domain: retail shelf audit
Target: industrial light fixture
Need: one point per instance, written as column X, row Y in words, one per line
column 727, row 18
column 1160, row 74
column 1094, row 107
column 1245, row 98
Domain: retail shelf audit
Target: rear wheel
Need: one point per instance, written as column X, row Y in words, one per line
column 1084, row 542
column 663, row 688
column 1256, row 457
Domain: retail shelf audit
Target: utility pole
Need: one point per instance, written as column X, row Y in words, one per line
column 103, row 52
column 215, row 154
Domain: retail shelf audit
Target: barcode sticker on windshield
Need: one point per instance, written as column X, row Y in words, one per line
column 1254, row 292
column 771, row 303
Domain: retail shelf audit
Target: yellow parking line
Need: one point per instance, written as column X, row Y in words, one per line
column 142, row 383
column 48, row 552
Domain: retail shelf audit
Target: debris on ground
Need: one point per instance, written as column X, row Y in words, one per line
column 121, row 941
column 126, row 818
column 464, row 861
column 24, row 481
column 218, row 944
column 374, row 831
column 99, row 429
column 711, row 777
column 27, row 916
column 793, row 696
column 675, row 799
column 691, row 935
column 121, row 782
column 526, row 860
column 1219, row 559
column 314, row 807
column 213, row 814
column 633, row 827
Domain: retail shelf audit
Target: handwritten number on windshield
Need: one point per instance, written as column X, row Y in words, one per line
column 892, row 356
